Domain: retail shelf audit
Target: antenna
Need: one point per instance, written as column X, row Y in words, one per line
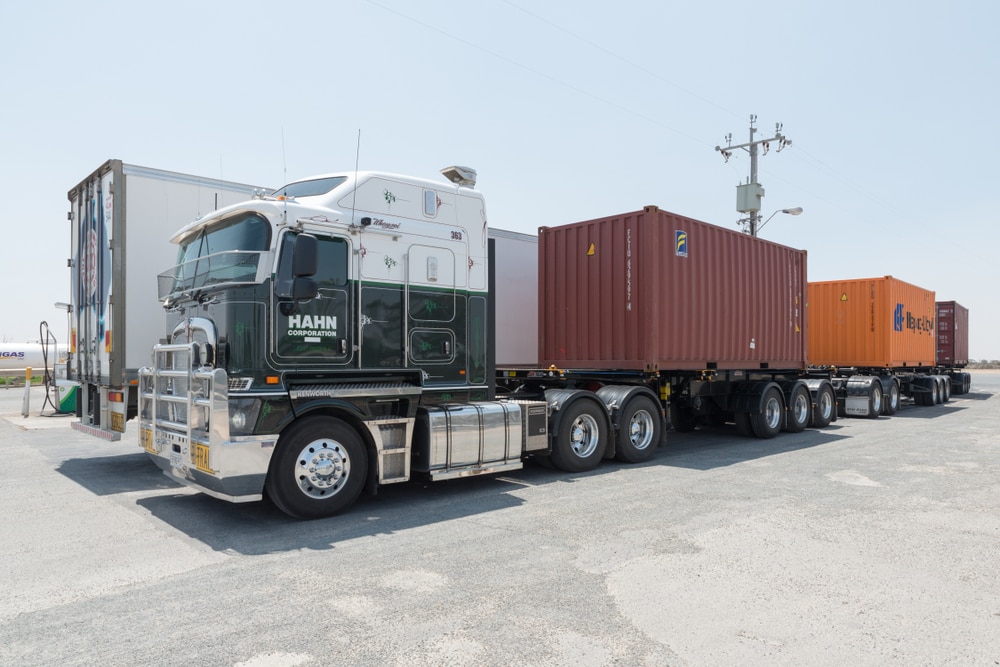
column 357, row 160
column 284, row 162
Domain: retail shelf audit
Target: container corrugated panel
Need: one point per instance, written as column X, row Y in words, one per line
column 656, row 291
column 871, row 323
column 953, row 333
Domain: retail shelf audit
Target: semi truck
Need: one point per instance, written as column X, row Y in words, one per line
column 343, row 332
column 119, row 216
column 876, row 338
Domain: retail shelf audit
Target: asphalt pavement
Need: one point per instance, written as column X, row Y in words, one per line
column 872, row 542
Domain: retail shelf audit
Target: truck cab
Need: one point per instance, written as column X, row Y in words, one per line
column 320, row 338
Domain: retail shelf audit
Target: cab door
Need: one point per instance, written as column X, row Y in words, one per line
column 320, row 331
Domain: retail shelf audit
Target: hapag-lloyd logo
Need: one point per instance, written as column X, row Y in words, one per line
column 907, row 320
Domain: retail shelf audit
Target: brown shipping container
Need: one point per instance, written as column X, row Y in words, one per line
column 952, row 334
column 656, row 291
column 871, row 323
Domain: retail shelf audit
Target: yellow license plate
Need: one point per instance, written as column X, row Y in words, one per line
column 118, row 422
column 146, row 436
column 201, row 458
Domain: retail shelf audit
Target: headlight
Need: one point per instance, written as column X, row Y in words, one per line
column 243, row 415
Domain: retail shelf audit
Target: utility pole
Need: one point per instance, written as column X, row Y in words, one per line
column 749, row 195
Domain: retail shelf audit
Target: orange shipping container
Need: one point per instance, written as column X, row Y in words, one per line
column 871, row 323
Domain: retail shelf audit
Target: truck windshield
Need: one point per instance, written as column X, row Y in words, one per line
column 225, row 253
column 311, row 188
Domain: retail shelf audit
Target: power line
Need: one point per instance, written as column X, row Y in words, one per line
column 622, row 59
column 543, row 75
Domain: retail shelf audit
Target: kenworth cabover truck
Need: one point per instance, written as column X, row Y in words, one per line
column 119, row 216
column 338, row 334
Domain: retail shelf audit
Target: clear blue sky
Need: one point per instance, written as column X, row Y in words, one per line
column 568, row 110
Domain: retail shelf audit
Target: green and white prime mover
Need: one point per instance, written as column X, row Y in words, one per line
column 332, row 336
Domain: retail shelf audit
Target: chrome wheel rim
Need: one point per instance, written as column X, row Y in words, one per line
column 772, row 413
column 322, row 468
column 640, row 429
column 583, row 436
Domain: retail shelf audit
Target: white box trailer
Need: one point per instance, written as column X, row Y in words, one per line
column 122, row 217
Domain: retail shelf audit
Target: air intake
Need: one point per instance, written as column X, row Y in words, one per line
column 460, row 175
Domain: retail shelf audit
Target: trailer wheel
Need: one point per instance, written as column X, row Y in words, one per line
column 875, row 399
column 766, row 422
column 318, row 470
column 945, row 389
column 826, row 404
column 799, row 407
column 581, row 437
column 683, row 419
column 890, row 403
column 924, row 397
column 639, row 431
column 966, row 382
column 743, row 425
column 935, row 395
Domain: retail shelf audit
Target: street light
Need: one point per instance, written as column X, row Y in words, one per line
column 790, row 211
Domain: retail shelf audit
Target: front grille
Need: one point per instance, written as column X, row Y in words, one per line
column 240, row 384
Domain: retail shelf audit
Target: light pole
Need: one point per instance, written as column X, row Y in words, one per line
column 750, row 194
column 790, row 211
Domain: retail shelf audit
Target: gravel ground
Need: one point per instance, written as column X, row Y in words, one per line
column 873, row 542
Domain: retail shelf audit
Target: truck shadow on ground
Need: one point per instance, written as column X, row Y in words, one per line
column 926, row 411
column 260, row 528
column 974, row 396
column 721, row 446
column 110, row 475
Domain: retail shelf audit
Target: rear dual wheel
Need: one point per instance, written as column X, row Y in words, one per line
column 743, row 425
column 890, row 402
column 581, row 437
column 767, row 420
column 799, row 409
column 875, row 399
column 639, row 430
column 826, row 405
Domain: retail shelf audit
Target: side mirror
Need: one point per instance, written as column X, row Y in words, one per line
column 297, row 283
column 305, row 254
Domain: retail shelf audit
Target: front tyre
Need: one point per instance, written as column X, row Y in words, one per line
column 318, row 470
